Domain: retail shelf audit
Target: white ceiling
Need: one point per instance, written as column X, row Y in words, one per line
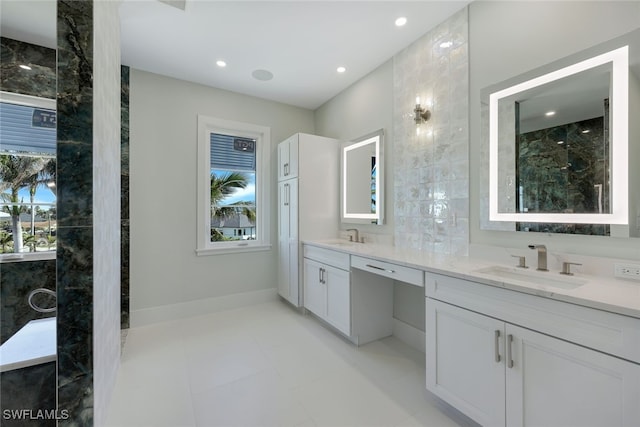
column 300, row 42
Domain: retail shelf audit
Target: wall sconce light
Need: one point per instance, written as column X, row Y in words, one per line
column 421, row 114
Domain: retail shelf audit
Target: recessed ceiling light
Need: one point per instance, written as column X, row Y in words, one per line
column 401, row 21
column 560, row 142
column 25, row 67
column 550, row 113
column 341, row 69
column 445, row 45
column 220, row 63
column 262, row 75
column 586, row 131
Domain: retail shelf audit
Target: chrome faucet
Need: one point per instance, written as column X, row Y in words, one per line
column 356, row 235
column 542, row 256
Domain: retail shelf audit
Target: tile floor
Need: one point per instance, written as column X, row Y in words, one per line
column 268, row 365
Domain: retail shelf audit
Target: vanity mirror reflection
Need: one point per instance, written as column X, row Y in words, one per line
column 560, row 148
column 362, row 175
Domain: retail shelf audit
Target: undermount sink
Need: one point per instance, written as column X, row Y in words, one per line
column 541, row 278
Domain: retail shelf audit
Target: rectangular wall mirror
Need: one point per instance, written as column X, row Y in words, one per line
column 560, row 143
column 362, row 194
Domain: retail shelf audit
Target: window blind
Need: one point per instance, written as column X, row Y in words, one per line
column 27, row 129
column 232, row 153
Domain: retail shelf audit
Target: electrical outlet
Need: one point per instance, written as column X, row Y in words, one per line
column 627, row 271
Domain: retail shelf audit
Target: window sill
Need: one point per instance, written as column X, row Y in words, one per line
column 232, row 249
column 27, row 256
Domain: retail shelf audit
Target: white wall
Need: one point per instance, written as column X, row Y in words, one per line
column 163, row 117
column 362, row 108
column 106, row 204
column 510, row 38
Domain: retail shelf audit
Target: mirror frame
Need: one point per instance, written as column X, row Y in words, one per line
column 376, row 138
column 619, row 142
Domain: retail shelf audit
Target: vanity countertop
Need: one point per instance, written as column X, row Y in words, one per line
column 599, row 292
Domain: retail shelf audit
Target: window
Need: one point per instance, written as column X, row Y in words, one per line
column 233, row 186
column 27, row 174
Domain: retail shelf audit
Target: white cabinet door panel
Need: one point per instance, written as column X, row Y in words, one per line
column 315, row 292
column 338, row 299
column 556, row 383
column 465, row 361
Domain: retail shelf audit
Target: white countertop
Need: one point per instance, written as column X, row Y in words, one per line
column 33, row 344
column 600, row 292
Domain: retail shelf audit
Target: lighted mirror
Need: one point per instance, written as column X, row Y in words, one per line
column 362, row 177
column 560, row 143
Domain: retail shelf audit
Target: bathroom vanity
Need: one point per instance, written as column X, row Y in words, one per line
column 505, row 346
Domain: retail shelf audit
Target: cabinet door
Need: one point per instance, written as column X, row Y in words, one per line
column 288, row 158
column 338, row 298
column 556, row 383
column 284, row 276
column 294, row 244
column 315, row 291
column 465, row 361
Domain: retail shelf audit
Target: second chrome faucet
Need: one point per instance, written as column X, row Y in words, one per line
column 542, row 256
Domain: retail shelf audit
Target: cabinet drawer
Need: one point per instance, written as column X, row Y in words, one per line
column 600, row 330
column 393, row 271
column 327, row 256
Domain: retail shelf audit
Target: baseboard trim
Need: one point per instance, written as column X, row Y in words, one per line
column 183, row 310
column 409, row 335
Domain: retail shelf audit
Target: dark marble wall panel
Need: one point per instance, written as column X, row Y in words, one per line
column 75, row 113
column 124, row 202
column 32, row 389
column 75, row 215
column 17, row 279
column 39, row 81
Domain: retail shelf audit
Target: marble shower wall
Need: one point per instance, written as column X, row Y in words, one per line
column 75, row 212
column 431, row 178
column 124, row 198
column 17, row 280
column 88, row 256
column 39, row 81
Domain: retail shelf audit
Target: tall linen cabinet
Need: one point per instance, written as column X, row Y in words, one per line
column 308, row 203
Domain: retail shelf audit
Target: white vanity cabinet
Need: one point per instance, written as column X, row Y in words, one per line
column 327, row 287
column 511, row 359
column 308, row 174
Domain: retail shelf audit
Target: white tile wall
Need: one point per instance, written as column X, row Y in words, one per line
column 431, row 179
column 106, row 202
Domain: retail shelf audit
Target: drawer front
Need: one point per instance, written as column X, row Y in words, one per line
column 600, row 330
column 327, row 256
column 393, row 271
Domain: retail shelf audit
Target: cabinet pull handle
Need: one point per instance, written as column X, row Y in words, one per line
column 324, row 281
column 497, row 345
column 286, row 194
column 320, row 275
column 286, row 169
column 380, row 268
column 509, row 354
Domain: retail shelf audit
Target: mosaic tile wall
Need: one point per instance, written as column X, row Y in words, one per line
column 106, row 204
column 431, row 179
